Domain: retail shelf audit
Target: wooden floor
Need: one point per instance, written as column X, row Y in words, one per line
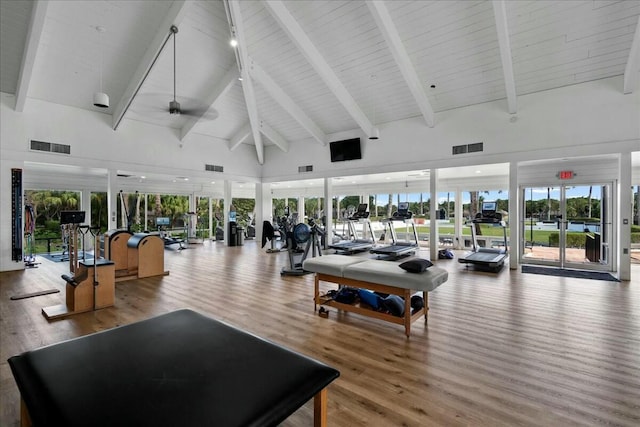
column 505, row 349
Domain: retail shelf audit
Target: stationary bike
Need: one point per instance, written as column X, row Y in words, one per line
column 303, row 234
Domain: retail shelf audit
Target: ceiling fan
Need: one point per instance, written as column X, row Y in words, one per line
column 151, row 101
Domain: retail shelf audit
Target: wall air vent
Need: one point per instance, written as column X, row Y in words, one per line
column 308, row 168
column 213, row 168
column 50, row 147
column 475, row 148
column 459, row 149
column 468, row 148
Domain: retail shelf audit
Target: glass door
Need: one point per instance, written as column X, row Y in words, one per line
column 568, row 226
column 540, row 228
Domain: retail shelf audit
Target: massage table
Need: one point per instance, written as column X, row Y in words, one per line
column 177, row 369
column 378, row 276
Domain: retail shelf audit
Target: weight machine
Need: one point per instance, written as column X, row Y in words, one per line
column 91, row 285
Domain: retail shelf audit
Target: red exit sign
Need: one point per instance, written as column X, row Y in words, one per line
column 566, row 175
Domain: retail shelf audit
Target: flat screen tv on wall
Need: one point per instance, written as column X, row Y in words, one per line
column 348, row 149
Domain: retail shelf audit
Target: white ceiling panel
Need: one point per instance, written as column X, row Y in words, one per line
column 14, row 23
column 451, row 44
column 67, row 68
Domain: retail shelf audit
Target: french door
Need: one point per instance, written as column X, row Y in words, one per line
column 568, row 226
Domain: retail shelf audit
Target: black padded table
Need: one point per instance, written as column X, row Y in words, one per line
column 177, row 369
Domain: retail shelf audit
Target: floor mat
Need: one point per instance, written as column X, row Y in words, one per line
column 578, row 274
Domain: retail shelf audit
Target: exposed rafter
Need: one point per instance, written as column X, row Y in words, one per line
column 174, row 17
column 38, row 14
column 388, row 29
column 285, row 101
column 274, row 136
column 240, row 136
column 220, row 89
column 247, row 84
column 633, row 62
column 287, row 22
column 500, row 15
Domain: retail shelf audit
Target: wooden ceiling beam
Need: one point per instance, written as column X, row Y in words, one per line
column 247, row 84
column 174, row 17
column 34, row 36
column 500, row 15
column 389, row 31
column 240, row 136
column 221, row 88
column 280, row 96
column 632, row 68
column 274, row 136
column 295, row 33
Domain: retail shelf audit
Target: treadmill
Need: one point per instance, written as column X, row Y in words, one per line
column 399, row 249
column 491, row 259
column 348, row 247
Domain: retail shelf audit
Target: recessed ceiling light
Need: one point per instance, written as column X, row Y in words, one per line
column 233, row 42
column 388, row 177
column 478, row 171
column 143, row 177
column 213, row 182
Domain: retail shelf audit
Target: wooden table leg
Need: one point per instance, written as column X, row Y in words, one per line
column 25, row 419
column 426, row 304
column 316, row 293
column 320, row 409
column 407, row 312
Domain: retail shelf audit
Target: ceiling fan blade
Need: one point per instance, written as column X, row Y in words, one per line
column 200, row 112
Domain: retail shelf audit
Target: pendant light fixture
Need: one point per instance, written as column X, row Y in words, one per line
column 101, row 99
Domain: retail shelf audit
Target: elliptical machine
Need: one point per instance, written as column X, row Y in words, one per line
column 250, row 229
column 303, row 234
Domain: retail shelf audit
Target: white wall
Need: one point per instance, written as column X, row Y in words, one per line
column 587, row 119
column 135, row 146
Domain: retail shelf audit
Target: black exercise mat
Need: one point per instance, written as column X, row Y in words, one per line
column 578, row 274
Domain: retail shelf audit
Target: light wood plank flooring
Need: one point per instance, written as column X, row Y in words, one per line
column 505, row 349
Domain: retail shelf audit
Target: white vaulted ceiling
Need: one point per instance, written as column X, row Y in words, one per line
column 316, row 67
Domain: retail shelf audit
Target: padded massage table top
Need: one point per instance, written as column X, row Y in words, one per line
column 180, row 368
column 376, row 271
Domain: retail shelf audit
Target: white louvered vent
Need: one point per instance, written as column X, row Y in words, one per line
column 468, row 148
column 50, row 147
column 214, row 168
column 307, row 168
column 475, row 148
column 459, row 149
